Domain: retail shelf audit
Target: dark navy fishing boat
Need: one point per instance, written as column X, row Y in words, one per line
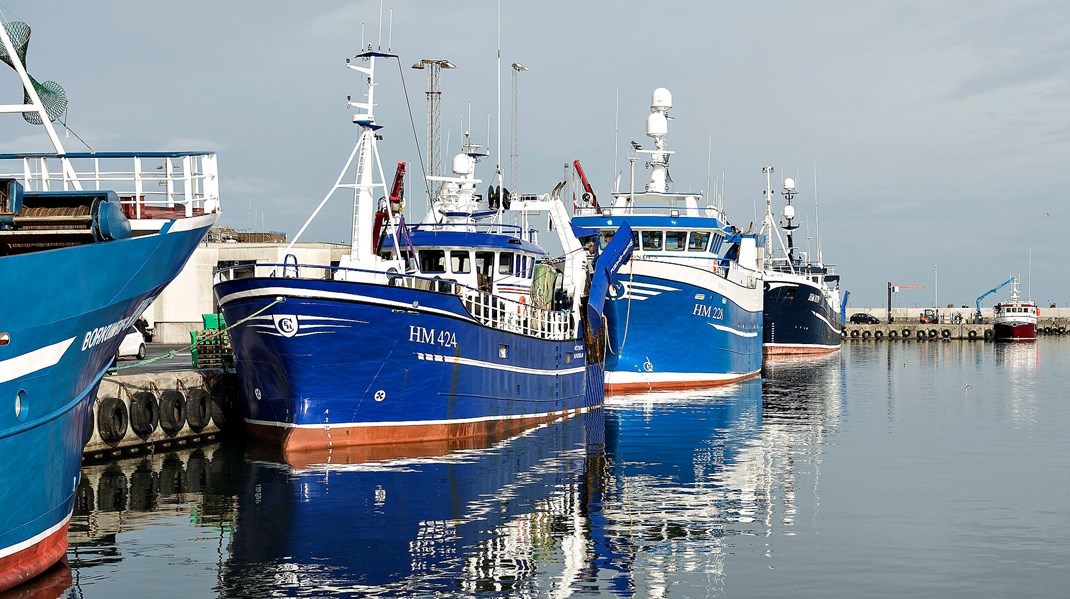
column 802, row 305
column 459, row 326
column 87, row 242
column 687, row 309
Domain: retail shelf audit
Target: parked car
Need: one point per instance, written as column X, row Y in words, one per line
column 864, row 318
column 132, row 345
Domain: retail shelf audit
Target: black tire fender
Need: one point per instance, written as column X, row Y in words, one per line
column 172, row 411
column 198, row 409
column 112, row 419
column 144, row 413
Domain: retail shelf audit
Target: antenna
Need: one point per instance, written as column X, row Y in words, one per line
column 709, row 161
column 616, row 131
column 498, row 145
column 390, row 31
column 380, row 24
column 817, row 219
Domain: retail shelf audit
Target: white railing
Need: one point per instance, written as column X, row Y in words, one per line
column 143, row 180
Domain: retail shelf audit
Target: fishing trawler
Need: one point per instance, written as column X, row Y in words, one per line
column 802, row 304
column 686, row 311
column 87, row 242
column 1015, row 320
column 458, row 326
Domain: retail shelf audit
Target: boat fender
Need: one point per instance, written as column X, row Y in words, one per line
column 946, row 334
column 865, row 334
column 932, row 333
column 921, row 334
column 144, row 413
column 172, row 411
column 854, row 334
column 988, row 334
column 112, row 419
column 892, row 334
column 225, row 410
column 198, row 409
column 972, row 334
column 89, row 426
column 878, row 335
column 906, row 332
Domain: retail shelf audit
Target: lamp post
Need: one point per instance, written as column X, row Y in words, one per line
column 514, row 167
column 433, row 66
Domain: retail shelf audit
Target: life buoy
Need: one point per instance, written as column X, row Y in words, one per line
column 892, row 334
column 946, row 334
column 144, row 413
column 112, row 419
column 198, row 410
column 854, row 334
column 878, row 335
column 172, row 411
column 972, row 334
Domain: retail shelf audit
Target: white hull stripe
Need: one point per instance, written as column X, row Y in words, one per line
column 37, row 538
column 638, row 298
column 616, row 377
column 778, row 285
column 824, row 320
column 492, row 365
column 337, row 425
column 332, row 295
column 721, row 327
column 34, row 361
column 650, row 286
column 635, row 291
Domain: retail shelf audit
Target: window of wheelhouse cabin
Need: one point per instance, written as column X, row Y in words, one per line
column 432, row 261
column 651, row 240
column 675, row 240
column 605, row 237
column 460, row 262
column 698, row 241
column 505, row 263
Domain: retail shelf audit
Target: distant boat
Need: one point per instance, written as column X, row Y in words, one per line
column 1015, row 320
column 459, row 326
column 686, row 311
column 802, row 304
column 87, row 242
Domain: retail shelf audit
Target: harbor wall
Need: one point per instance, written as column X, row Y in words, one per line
column 1057, row 316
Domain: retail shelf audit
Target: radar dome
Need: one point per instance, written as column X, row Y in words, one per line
column 656, row 124
column 789, row 212
column 661, row 98
column 462, row 164
column 789, row 183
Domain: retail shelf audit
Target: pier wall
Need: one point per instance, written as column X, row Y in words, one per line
column 142, row 412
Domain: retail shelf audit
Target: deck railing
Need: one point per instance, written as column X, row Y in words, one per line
column 178, row 182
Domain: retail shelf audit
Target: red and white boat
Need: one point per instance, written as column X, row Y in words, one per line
column 1015, row 320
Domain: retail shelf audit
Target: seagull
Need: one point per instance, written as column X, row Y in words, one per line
column 967, row 385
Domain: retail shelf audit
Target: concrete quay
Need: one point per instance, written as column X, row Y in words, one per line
column 914, row 331
column 160, row 405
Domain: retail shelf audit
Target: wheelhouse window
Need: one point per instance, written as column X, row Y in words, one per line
column 651, row 240
column 460, row 262
column 675, row 240
column 698, row 241
column 505, row 263
column 606, row 237
column 433, row 260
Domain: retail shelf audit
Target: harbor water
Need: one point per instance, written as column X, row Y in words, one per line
column 932, row 469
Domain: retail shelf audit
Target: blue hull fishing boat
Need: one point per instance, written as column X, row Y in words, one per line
column 802, row 296
column 87, row 242
column 411, row 519
column 686, row 311
column 458, row 326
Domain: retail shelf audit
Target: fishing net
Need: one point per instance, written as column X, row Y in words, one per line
column 52, row 94
column 543, row 281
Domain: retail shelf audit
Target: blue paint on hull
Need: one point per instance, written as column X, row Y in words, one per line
column 798, row 316
column 670, row 331
column 77, row 301
column 362, row 354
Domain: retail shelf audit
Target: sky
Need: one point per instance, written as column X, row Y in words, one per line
column 938, row 132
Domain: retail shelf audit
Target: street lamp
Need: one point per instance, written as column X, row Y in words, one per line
column 433, row 66
column 514, row 175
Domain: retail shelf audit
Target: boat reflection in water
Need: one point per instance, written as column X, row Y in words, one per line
column 434, row 518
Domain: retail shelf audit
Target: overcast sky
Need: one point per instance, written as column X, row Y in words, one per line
column 939, row 130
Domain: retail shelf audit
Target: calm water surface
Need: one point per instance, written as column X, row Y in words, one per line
column 931, row 469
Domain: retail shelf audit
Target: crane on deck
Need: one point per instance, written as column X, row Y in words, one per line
column 990, row 292
column 893, row 288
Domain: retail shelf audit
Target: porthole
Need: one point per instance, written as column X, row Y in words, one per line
column 21, row 407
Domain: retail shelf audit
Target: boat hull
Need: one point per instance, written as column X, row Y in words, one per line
column 798, row 317
column 64, row 319
column 673, row 326
column 1014, row 331
column 343, row 363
